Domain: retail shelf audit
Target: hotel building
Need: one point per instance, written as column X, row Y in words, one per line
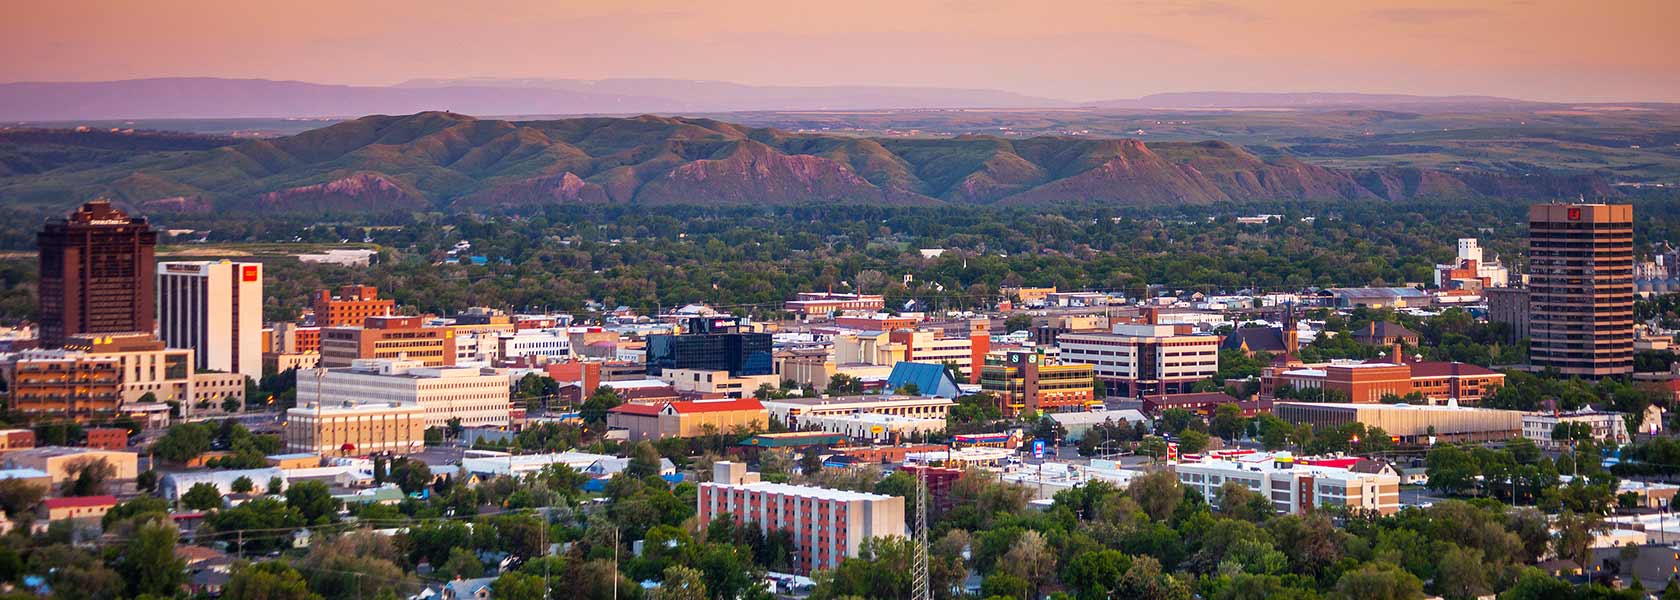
column 96, row 274
column 1580, row 286
column 214, row 309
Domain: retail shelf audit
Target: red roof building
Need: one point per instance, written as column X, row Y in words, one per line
column 77, row 507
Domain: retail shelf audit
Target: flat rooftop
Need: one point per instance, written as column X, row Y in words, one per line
column 845, row 400
column 804, row 491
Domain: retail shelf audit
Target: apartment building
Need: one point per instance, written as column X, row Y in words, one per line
column 827, row 525
column 1296, row 488
column 964, row 344
column 479, row 397
column 1143, row 360
column 148, row 367
column 55, row 384
column 542, row 344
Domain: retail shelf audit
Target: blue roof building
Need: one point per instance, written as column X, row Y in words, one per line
column 930, row 379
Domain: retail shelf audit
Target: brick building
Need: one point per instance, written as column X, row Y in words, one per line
column 352, row 305
column 381, row 337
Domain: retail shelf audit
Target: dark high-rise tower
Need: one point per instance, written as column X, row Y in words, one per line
column 1580, row 285
column 97, row 271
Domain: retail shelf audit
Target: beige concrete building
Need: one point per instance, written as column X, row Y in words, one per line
column 58, row 461
column 868, row 347
column 1144, row 360
column 687, row 418
column 793, row 411
column 703, row 381
column 356, row 429
column 479, row 397
column 210, row 389
column 1413, row 424
column 147, row 365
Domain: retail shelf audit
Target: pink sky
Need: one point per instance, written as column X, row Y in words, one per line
column 1070, row 49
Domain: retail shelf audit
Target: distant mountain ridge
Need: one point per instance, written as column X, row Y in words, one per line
column 1235, row 100
column 217, row 98
column 207, row 98
column 447, row 161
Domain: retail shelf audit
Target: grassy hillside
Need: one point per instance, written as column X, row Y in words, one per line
column 436, row 160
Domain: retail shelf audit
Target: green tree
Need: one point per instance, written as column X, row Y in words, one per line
column 515, row 585
column 461, row 563
column 1158, row 493
column 314, row 501
column 1452, row 470
column 1227, row 421
column 202, row 496
column 1192, row 442
column 18, row 497
column 810, row 462
column 267, row 580
column 680, row 583
column 644, row 461
column 1378, row 581
column 87, row 477
column 148, row 562
column 243, row 485
column 1460, row 574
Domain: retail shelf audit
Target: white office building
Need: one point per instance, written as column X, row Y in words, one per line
column 547, row 343
column 213, row 308
column 1295, row 488
column 479, row 397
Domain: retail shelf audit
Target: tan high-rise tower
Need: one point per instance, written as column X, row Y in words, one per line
column 1580, row 260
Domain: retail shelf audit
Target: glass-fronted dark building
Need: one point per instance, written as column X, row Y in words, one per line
column 97, row 267
column 715, row 344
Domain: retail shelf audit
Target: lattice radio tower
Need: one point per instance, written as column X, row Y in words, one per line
column 919, row 575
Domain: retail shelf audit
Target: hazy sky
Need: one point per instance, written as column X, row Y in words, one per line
column 1072, row 49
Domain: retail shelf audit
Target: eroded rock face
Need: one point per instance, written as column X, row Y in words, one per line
column 362, row 192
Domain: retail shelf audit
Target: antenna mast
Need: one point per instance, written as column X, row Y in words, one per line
column 919, row 578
